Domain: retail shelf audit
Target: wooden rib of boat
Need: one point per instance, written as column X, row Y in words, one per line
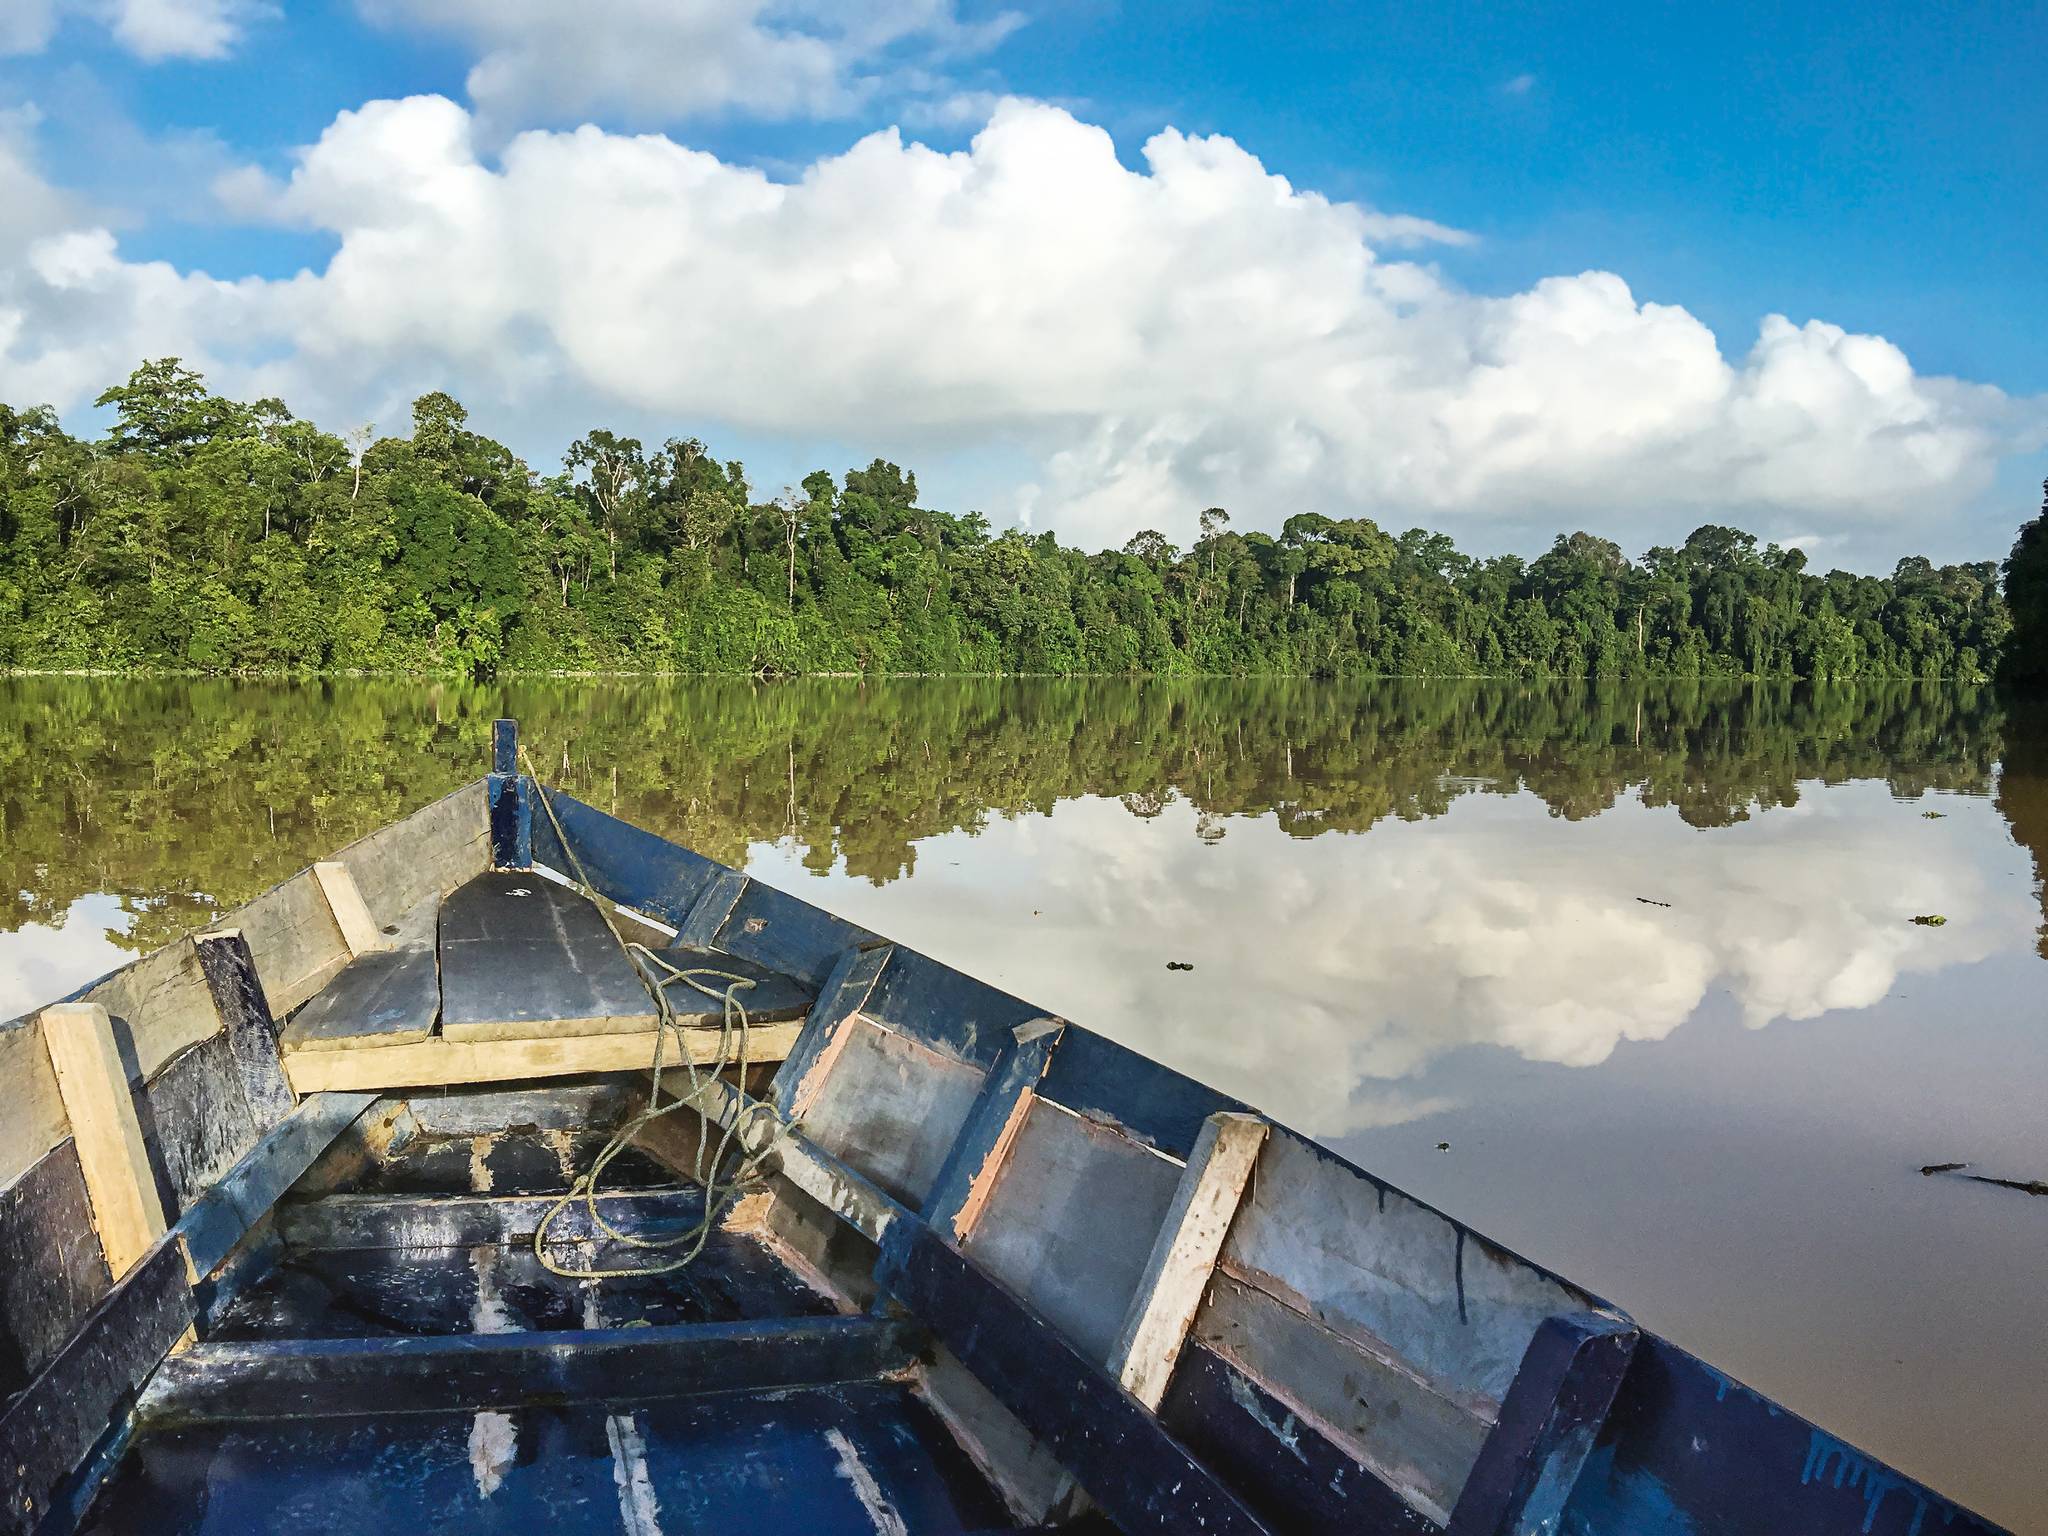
column 268, row 1200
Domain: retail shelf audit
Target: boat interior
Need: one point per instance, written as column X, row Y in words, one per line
column 313, row 1245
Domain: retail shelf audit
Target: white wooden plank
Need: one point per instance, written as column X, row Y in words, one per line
column 1184, row 1254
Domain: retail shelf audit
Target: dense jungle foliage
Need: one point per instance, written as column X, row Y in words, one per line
column 256, row 779
column 203, row 533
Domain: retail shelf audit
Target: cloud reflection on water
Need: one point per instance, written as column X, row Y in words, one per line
column 1337, row 978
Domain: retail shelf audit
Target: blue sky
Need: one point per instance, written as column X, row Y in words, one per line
column 1880, row 169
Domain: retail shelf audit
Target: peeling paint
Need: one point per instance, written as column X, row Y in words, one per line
column 638, row 1510
column 1286, row 1431
column 1826, row 1455
column 493, row 1446
column 880, row 1512
column 489, row 1313
column 480, row 1164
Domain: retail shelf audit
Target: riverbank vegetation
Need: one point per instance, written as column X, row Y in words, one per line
column 213, row 535
column 261, row 777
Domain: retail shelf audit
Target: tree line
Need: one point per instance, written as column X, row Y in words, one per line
column 213, row 535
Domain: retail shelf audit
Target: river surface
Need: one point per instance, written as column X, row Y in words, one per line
column 1626, row 978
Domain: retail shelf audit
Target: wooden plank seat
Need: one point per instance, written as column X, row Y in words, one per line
column 522, row 956
column 525, row 981
column 383, row 997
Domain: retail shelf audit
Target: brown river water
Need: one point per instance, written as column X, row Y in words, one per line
column 1627, row 978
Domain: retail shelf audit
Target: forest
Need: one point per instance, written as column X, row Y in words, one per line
column 210, row 535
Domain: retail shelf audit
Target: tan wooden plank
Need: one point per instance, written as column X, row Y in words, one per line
column 359, row 930
column 1184, row 1254
column 94, row 1085
column 440, row 1062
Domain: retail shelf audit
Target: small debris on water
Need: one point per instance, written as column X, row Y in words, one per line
column 1180, row 965
column 1931, row 920
column 2022, row 1186
column 1932, row 815
column 1443, row 1146
column 1646, row 901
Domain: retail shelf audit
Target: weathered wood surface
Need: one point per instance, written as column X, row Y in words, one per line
column 161, row 1002
column 963, row 1019
column 1279, row 1462
column 1184, row 1254
column 479, row 1111
column 359, row 930
column 48, row 1429
column 1113, row 1445
column 1019, row 1464
column 439, row 1062
column 238, row 998
column 773, row 998
column 224, row 1214
column 196, row 1120
column 32, row 1117
column 1070, row 1223
column 1390, row 1274
column 840, row 1188
column 524, row 957
column 296, row 943
column 891, row 1108
column 428, row 854
column 1153, row 1104
column 51, row 1269
column 788, row 934
column 384, row 997
column 712, row 907
column 1686, row 1450
column 968, row 1176
column 1561, row 1396
column 127, row 1210
column 344, row 1223
column 841, row 995
column 324, row 1377
column 1415, row 1440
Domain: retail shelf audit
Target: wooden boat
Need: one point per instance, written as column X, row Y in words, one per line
column 269, row 1200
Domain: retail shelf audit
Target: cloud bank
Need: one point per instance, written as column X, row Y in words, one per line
column 1156, row 338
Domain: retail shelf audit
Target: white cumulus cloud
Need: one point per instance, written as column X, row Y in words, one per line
column 1189, row 331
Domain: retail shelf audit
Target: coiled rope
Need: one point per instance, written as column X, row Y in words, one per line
column 658, row 975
